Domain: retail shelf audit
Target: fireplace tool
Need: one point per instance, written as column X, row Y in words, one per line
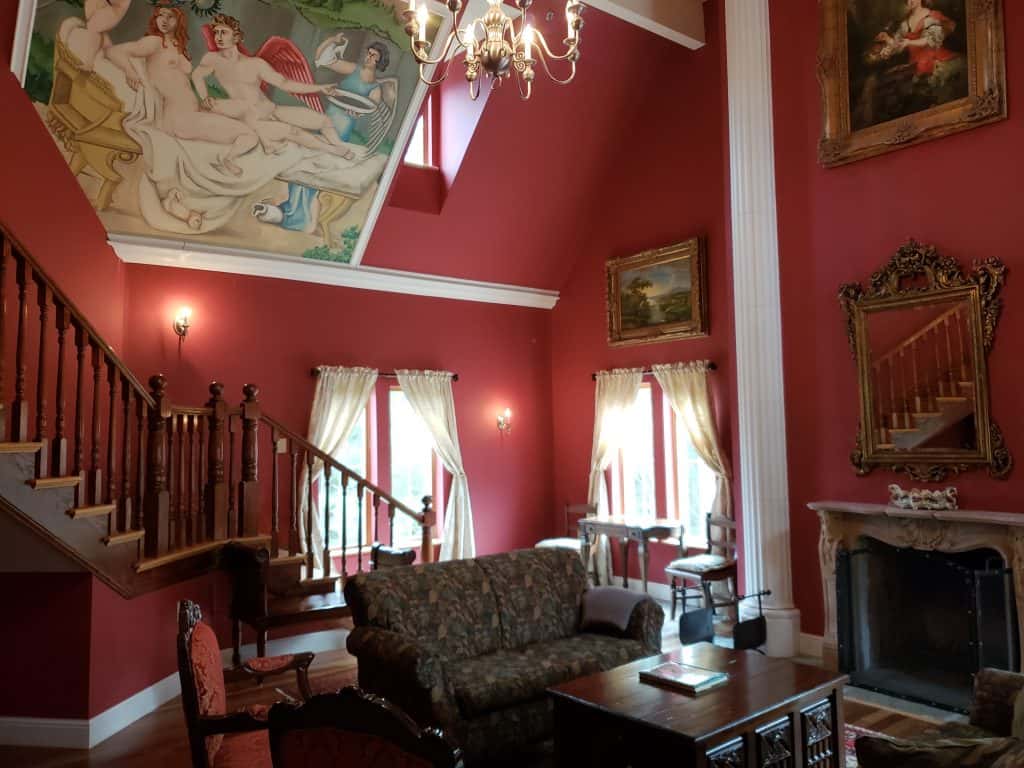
column 749, row 634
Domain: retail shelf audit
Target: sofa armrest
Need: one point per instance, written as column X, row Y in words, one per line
column 995, row 692
column 645, row 625
column 408, row 659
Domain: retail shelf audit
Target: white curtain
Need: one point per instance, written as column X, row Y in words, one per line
column 430, row 395
column 616, row 392
column 341, row 395
column 686, row 386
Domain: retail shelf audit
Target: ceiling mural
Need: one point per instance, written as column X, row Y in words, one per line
column 264, row 126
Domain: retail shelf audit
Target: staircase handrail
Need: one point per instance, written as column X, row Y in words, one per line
column 78, row 318
column 327, row 459
column 877, row 364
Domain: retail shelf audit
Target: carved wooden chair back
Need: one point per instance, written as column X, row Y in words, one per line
column 573, row 514
column 357, row 730
column 202, row 680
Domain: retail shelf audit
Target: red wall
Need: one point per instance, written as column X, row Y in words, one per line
column 959, row 193
column 668, row 185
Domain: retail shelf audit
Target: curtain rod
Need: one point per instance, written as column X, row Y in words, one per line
column 648, row 371
column 314, row 372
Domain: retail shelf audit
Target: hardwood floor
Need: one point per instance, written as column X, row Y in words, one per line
column 159, row 739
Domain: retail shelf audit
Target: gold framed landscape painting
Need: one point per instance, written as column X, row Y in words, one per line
column 894, row 73
column 658, row 295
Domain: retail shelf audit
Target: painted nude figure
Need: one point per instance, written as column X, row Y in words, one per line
column 86, row 40
column 243, row 76
column 164, row 50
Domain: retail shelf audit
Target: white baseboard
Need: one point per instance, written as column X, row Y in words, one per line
column 73, row 733
column 810, row 645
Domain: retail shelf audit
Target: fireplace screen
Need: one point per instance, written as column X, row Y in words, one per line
column 918, row 625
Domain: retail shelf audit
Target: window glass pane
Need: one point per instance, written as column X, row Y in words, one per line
column 353, row 455
column 412, row 465
column 416, row 154
column 638, row 457
column 695, row 488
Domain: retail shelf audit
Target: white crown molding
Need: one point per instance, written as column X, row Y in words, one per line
column 141, row 251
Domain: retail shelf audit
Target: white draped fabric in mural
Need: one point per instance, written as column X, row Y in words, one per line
column 341, row 395
column 616, row 391
column 686, row 387
column 430, row 395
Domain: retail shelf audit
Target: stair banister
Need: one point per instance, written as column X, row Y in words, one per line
column 248, row 486
column 157, row 499
column 216, row 496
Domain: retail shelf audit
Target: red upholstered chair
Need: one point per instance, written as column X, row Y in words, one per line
column 354, row 729
column 218, row 739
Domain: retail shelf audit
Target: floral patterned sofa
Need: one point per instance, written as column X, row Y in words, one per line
column 471, row 645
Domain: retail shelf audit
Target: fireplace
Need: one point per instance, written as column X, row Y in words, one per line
column 918, row 624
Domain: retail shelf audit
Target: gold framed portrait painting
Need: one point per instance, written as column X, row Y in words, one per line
column 895, row 73
column 658, row 295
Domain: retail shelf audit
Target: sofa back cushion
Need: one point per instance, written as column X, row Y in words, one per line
column 448, row 608
column 539, row 592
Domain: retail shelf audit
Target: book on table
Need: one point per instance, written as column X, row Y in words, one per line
column 684, row 677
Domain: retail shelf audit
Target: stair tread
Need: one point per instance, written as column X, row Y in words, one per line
column 124, row 538
column 951, row 399
column 148, row 564
column 20, row 447
column 95, row 510
column 286, row 559
column 43, row 483
column 305, row 604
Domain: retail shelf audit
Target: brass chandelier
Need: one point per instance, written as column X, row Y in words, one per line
column 502, row 50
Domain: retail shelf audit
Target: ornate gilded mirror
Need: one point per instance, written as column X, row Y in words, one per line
column 920, row 333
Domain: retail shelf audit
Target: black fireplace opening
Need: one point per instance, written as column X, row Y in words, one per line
column 919, row 625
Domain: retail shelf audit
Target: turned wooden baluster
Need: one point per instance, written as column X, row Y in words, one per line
column 81, row 492
column 953, row 390
column 202, row 477
column 233, row 523
column 293, row 518
column 917, row 387
column 141, row 413
column 217, row 490
column 43, row 454
column 60, row 441
column 19, row 408
column 156, row 504
column 427, row 542
column 939, row 384
column 309, row 515
column 173, row 470
column 127, row 511
column 375, row 501
column 97, row 426
column 964, row 375
column 344, row 526
column 327, row 520
column 187, row 475
column 277, row 447
column 112, row 379
column 248, row 486
column 5, row 256
column 391, row 524
column 360, row 493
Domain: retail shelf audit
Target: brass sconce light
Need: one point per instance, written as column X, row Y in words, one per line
column 505, row 421
column 182, row 322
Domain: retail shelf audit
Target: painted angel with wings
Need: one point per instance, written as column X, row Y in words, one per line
column 246, row 78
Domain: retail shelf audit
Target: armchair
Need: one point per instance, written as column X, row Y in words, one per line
column 218, row 739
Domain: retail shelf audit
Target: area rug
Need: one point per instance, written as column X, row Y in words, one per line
column 854, row 732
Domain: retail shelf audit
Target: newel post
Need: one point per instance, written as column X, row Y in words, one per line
column 157, row 501
column 216, row 486
column 429, row 520
column 248, row 486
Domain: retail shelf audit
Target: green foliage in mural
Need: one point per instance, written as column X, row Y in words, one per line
column 375, row 15
column 349, row 238
column 39, row 73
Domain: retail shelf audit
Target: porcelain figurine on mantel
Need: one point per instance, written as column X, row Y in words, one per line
column 916, row 498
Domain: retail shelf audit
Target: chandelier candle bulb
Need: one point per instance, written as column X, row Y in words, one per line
column 528, row 39
column 423, row 17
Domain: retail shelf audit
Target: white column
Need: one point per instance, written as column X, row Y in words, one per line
column 755, row 247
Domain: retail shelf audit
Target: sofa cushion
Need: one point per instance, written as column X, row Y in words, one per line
column 505, row 678
column 447, row 608
column 538, row 592
column 880, row 752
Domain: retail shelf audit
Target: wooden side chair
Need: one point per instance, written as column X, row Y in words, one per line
column 717, row 564
column 356, row 730
column 573, row 514
column 218, row 739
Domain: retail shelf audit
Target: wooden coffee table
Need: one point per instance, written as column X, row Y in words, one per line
column 773, row 713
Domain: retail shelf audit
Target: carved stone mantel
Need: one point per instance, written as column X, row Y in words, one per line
column 843, row 523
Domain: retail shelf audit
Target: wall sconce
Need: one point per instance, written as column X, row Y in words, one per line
column 505, row 421
column 182, row 322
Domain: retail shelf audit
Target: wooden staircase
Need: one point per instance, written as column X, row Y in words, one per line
column 143, row 492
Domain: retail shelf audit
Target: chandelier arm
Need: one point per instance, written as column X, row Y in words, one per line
column 431, row 83
column 424, row 59
column 537, row 36
column 544, row 61
column 524, row 95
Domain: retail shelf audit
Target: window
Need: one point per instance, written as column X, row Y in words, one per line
column 421, row 145
column 691, row 485
column 414, row 468
column 354, row 454
column 633, row 471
